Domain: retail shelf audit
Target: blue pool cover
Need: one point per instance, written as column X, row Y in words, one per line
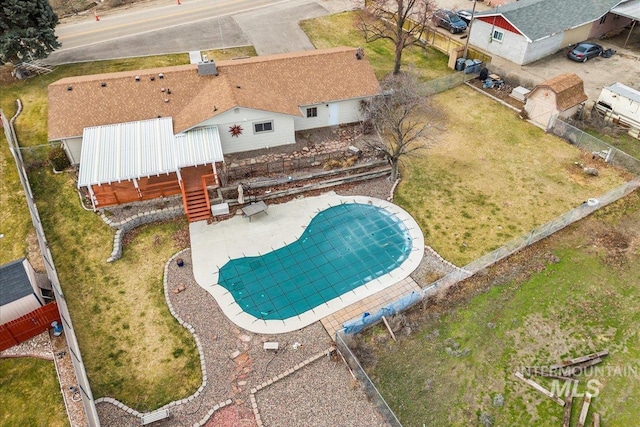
column 342, row 248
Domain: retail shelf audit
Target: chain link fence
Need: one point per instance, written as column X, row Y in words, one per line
column 591, row 144
column 70, row 336
column 447, row 82
column 574, row 136
column 370, row 389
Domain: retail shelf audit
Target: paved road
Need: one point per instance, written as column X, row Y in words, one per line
column 163, row 26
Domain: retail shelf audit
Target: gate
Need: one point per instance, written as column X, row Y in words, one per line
column 28, row 326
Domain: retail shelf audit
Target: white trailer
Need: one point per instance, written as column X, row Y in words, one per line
column 621, row 105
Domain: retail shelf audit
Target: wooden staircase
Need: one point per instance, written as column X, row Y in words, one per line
column 194, row 196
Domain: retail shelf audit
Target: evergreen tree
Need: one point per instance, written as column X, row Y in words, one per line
column 27, row 30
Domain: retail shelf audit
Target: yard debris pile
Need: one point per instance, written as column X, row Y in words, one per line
column 566, row 371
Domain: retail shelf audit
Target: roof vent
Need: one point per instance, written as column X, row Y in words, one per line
column 162, row 89
column 69, row 88
column 103, row 84
column 207, row 69
column 166, row 100
column 161, row 76
column 168, row 91
column 238, row 87
column 137, row 78
column 152, row 78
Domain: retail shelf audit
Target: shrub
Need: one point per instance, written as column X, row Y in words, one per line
column 58, row 159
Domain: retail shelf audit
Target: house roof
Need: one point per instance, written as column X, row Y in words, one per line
column 122, row 151
column 537, row 19
column 14, row 282
column 629, row 9
column 569, row 90
column 277, row 83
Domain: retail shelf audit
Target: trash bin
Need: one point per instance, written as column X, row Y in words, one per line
column 477, row 66
column 460, row 64
column 468, row 66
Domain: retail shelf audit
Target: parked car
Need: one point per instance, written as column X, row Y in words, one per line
column 450, row 20
column 465, row 15
column 584, row 51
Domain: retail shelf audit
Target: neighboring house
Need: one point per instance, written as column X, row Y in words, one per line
column 20, row 292
column 529, row 30
column 560, row 96
column 143, row 134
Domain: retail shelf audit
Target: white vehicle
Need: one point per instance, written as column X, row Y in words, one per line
column 620, row 104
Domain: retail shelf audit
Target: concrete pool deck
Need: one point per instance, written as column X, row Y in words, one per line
column 214, row 244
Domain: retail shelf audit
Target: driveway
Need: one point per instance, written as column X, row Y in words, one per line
column 623, row 67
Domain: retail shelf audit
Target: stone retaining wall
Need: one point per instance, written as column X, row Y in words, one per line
column 136, row 220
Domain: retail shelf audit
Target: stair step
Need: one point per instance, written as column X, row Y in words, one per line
column 202, row 204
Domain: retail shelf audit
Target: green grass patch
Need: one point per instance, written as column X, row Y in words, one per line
column 341, row 30
column 133, row 349
column 534, row 313
column 31, row 394
column 491, row 177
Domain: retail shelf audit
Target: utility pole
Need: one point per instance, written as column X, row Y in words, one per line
column 466, row 45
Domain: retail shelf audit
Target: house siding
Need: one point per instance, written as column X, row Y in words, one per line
column 499, row 22
column 348, row 112
column 612, row 22
column 542, row 48
column 576, row 35
column 513, row 46
column 283, row 130
column 19, row 308
column 73, row 148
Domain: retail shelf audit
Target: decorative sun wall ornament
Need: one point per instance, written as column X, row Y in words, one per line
column 235, row 130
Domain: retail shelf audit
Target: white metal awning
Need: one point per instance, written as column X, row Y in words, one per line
column 629, row 9
column 126, row 151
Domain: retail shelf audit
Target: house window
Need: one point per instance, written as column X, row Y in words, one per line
column 604, row 18
column 312, row 112
column 498, row 35
column 263, row 127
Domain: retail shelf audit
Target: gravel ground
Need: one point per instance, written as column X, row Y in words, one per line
column 322, row 393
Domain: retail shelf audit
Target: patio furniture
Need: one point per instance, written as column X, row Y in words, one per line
column 254, row 208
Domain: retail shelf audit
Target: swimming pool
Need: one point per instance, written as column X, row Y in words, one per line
column 342, row 248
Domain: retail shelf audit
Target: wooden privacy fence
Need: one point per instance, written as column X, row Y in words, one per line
column 28, row 326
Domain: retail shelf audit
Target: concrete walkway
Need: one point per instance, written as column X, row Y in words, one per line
column 213, row 245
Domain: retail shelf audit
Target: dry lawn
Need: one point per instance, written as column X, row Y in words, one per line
column 571, row 294
column 491, row 177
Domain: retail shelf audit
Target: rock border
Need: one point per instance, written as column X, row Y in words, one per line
column 135, row 221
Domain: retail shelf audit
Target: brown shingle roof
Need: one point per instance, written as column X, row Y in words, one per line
column 569, row 90
column 278, row 83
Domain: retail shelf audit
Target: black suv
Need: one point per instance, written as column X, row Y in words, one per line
column 450, row 20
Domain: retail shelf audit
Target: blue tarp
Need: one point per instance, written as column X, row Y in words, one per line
column 356, row 325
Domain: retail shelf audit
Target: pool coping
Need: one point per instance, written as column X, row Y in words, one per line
column 214, row 244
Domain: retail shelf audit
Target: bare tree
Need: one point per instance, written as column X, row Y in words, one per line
column 402, row 117
column 400, row 21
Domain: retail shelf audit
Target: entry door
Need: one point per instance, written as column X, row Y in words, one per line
column 333, row 114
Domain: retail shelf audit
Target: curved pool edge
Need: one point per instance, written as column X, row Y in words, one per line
column 287, row 229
